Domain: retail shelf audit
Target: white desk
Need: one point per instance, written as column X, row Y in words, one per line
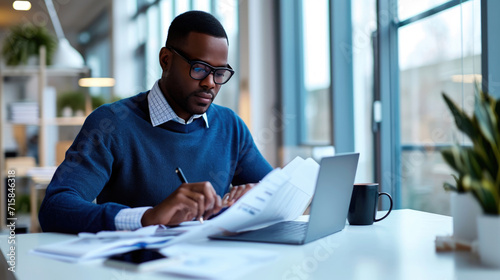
column 399, row 247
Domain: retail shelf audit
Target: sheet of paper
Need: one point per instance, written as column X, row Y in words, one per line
column 212, row 262
column 282, row 195
column 303, row 177
column 87, row 248
column 145, row 231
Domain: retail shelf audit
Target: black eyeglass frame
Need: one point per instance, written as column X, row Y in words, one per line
column 212, row 69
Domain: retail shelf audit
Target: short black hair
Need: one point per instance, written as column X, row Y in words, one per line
column 194, row 21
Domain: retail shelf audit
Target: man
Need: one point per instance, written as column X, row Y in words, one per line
column 126, row 155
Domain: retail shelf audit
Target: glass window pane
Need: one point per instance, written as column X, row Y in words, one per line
column 227, row 12
column 201, row 5
column 153, row 45
column 316, row 42
column 437, row 54
column 130, row 7
column 166, row 17
column 140, row 27
column 424, row 173
column 409, row 8
column 181, row 6
column 142, row 3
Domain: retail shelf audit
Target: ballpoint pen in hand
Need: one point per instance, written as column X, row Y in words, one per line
column 178, row 170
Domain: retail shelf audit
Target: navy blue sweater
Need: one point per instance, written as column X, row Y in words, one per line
column 122, row 160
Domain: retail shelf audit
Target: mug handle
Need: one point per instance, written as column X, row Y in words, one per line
column 390, row 208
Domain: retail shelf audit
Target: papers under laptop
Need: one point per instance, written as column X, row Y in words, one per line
column 328, row 211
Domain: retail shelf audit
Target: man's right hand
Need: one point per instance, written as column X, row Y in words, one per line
column 189, row 201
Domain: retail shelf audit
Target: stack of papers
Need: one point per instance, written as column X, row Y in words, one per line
column 90, row 246
column 282, row 195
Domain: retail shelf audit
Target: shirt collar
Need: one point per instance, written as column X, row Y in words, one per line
column 160, row 111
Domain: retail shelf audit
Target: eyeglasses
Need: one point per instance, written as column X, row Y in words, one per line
column 200, row 70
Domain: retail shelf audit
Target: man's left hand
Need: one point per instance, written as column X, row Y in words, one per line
column 235, row 193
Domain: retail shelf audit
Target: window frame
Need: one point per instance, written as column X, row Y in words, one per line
column 292, row 87
column 388, row 143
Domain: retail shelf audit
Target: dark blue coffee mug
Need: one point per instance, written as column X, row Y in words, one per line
column 363, row 206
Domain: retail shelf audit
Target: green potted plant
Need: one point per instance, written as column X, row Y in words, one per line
column 478, row 168
column 24, row 41
column 464, row 206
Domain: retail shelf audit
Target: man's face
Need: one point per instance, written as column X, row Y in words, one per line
column 186, row 95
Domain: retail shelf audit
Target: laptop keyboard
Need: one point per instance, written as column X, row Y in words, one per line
column 292, row 230
column 288, row 232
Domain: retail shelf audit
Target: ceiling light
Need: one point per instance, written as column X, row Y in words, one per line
column 96, row 82
column 65, row 55
column 21, row 5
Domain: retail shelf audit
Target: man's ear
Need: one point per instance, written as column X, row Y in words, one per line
column 165, row 56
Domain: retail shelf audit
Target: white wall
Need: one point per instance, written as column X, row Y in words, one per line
column 123, row 69
column 258, row 75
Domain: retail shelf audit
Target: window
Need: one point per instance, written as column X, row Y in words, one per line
column 305, row 77
column 437, row 54
column 316, row 106
column 438, row 49
column 410, row 8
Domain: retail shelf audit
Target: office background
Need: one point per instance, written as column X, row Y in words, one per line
column 312, row 75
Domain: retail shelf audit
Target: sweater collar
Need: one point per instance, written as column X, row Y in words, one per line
column 160, row 111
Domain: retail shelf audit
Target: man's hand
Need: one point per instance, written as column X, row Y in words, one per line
column 189, row 201
column 235, row 193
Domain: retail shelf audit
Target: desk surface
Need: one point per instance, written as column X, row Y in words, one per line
column 399, row 247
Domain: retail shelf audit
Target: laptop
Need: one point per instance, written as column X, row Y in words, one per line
column 328, row 212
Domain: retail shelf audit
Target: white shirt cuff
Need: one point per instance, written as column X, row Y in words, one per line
column 130, row 218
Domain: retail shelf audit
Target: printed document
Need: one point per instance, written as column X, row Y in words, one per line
column 282, row 195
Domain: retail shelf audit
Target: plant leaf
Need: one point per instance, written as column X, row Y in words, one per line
column 449, row 187
column 471, row 161
column 492, row 198
column 478, row 166
column 485, row 118
column 464, row 123
column 450, row 158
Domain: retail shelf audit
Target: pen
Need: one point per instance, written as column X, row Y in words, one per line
column 178, row 170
